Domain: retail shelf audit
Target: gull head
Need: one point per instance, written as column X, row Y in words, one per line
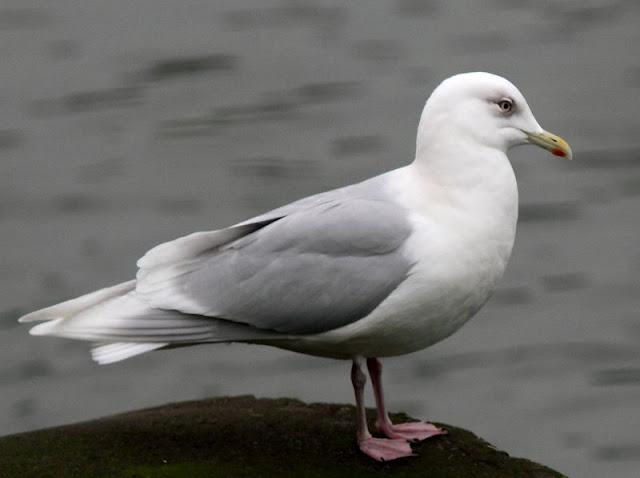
column 481, row 109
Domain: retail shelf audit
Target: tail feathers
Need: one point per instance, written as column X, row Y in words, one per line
column 111, row 353
column 77, row 305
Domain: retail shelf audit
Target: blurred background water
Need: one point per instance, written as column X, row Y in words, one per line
column 124, row 124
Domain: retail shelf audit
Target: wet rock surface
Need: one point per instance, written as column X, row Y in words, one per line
column 243, row 436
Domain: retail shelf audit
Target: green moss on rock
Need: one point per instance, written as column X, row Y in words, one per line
column 242, row 437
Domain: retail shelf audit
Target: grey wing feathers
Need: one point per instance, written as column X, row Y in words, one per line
column 311, row 271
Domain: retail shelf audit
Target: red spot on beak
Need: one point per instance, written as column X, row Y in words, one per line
column 558, row 152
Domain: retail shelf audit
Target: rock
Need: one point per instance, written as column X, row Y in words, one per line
column 242, row 436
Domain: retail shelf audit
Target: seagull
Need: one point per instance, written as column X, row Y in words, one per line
column 382, row 268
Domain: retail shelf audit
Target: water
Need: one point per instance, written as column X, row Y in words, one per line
column 124, row 124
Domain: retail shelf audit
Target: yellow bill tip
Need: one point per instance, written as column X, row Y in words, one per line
column 552, row 143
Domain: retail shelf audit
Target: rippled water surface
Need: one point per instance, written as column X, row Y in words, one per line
column 124, row 124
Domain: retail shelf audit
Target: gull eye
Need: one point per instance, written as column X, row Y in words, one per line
column 506, row 106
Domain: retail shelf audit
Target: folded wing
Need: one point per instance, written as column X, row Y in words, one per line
column 311, row 271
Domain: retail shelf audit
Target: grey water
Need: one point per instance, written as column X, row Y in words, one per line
column 125, row 124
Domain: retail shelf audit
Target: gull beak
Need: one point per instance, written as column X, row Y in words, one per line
column 551, row 142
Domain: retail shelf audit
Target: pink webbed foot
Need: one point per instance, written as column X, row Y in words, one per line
column 385, row 449
column 411, row 431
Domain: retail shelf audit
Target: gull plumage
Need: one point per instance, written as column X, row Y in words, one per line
column 384, row 267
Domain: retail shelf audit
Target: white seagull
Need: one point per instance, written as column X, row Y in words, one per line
column 381, row 268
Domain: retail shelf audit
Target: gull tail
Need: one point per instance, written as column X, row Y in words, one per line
column 125, row 325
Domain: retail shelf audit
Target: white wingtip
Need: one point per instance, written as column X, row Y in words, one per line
column 37, row 316
column 26, row 318
column 74, row 306
column 46, row 328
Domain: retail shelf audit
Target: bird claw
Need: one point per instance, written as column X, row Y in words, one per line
column 411, row 431
column 385, row 449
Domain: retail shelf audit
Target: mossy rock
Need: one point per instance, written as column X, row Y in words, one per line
column 242, row 437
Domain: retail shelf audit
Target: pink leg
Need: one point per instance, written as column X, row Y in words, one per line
column 412, row 431
column 381, row 449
